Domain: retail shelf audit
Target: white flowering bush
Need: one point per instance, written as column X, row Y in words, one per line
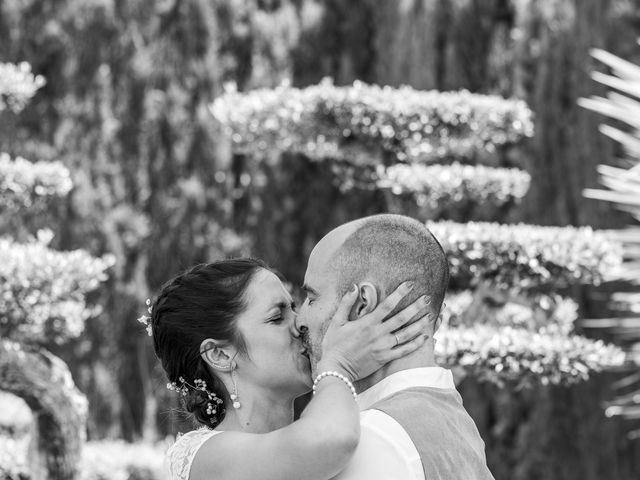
column 100, row 460
column 439, row 185
column 42, row 299
column 504, row 330
column 524, row 357
column 527, row 256
column 14, row 464
column 118, row 460
column 444, row 151
column 322, row 120
column 17, row 85
column 42, row 291
column 498, row 308
column 31, row 184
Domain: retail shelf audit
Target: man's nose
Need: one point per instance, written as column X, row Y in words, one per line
column 299, row 328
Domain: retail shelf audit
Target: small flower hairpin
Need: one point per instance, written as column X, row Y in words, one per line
column 146, row 319
column 182, row 389
column 214, row 402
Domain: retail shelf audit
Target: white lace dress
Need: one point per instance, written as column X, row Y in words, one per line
column 180, row 455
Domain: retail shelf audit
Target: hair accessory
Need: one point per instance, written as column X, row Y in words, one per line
column 145, row 319
column 198, row 385
column 337, row 375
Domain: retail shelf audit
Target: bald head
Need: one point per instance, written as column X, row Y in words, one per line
column 385, row 250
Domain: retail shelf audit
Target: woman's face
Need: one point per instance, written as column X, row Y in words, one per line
column 274, row 358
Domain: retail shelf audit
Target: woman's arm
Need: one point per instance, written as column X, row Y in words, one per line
column 318, row 445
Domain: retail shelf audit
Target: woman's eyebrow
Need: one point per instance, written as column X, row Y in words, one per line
column 281, row 305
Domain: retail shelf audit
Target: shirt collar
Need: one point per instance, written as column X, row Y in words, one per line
column 433, row 377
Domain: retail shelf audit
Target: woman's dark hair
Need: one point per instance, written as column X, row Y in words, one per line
column 203, row 302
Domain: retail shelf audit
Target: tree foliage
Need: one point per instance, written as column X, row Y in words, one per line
column 404, row 125
column 42, row 300
column 125, row 109
column 43, row 291
column 361, row 122
column 17, row 85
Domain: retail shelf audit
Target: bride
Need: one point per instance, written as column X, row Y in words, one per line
column 226, row 337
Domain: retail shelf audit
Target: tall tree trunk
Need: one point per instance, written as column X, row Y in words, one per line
column 60, row 410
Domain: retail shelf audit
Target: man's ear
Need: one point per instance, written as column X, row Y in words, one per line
column 367, row 300
column 218, row 355
column 437, row 322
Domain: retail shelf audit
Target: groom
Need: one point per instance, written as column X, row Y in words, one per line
column 413, row 424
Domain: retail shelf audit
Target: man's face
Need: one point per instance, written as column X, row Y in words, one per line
column 321, row 287
column 320, row 304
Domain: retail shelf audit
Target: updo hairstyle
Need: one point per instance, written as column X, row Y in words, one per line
column 203, row 302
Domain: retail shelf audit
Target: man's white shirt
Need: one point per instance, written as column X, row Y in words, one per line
column 385, row 451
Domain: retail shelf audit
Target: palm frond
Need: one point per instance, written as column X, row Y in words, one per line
column 622, row 188
column 622, row 68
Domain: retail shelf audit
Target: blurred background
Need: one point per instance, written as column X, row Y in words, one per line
column 141, row 137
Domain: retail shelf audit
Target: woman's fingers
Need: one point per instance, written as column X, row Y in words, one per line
column 408, row 333
column 406, row 348
column 388, row 304
column 346, row 304
column 418, row 307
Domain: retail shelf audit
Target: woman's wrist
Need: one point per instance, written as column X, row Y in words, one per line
column 339, row 376
column 329, row 365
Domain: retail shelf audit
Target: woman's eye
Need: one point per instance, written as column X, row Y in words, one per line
column 276, row 320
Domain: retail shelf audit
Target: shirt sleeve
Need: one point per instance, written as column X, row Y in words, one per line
column 385, row 451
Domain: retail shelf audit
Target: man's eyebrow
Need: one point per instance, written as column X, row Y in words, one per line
column 310, row 290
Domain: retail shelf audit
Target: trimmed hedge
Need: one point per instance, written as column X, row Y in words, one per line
column 524, row 357
column 438, row 186
column 30, row 184
column 361, row 121
column 526, row 257
column 17, row 85
column 496, row 308
column 42, row 291
column 504, row 337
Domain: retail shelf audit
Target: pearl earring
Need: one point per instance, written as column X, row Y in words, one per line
column 234, row 395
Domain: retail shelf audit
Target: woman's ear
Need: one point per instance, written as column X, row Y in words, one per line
column 367, row 299
column 218, row 355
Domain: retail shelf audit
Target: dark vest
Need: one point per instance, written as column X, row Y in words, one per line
column 444, row 434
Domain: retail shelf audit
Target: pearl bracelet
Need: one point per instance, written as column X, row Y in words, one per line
column 337, row 375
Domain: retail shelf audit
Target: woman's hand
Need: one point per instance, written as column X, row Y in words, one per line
column 362, row 346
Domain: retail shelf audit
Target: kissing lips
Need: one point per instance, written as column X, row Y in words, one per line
column 305, row 352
